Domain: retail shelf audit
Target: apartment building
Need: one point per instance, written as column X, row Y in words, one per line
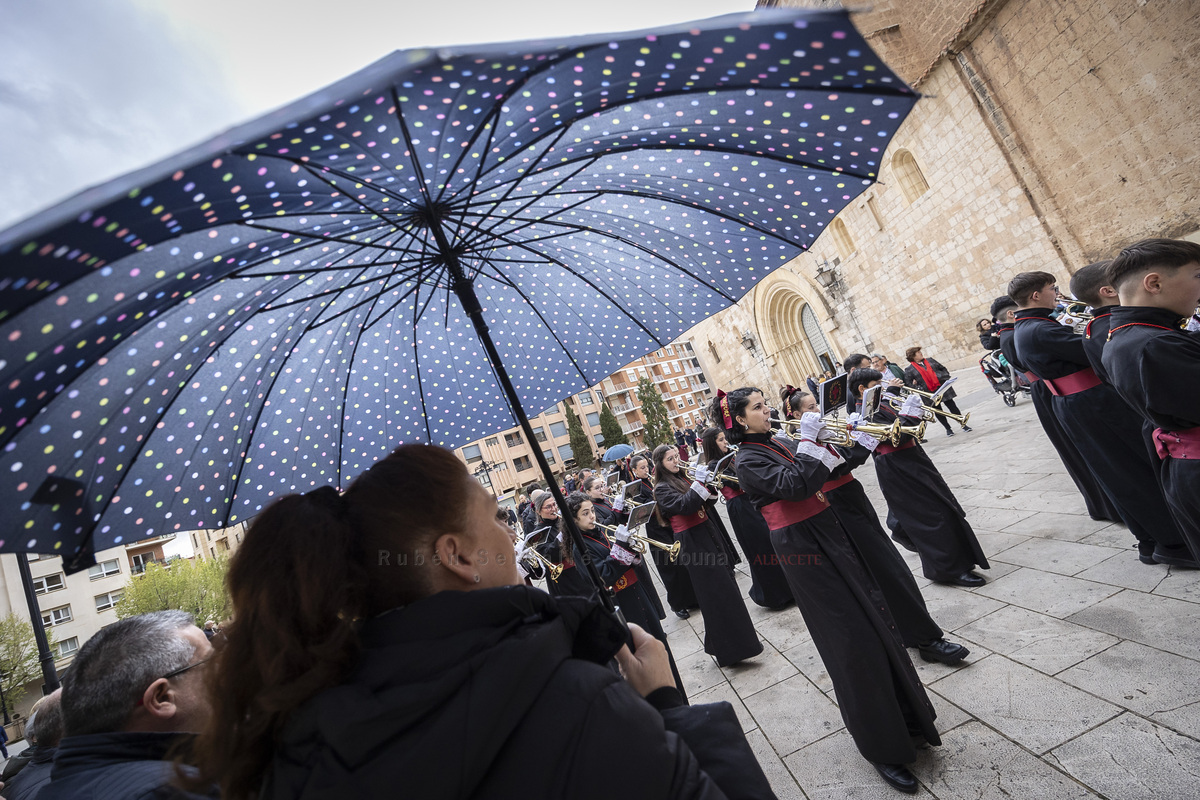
column 73, row 607
column 211, row 544
column 680, row 377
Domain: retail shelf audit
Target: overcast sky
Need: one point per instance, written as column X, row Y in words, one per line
column 91, row 89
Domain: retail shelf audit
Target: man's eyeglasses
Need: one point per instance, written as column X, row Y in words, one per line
column 185, row 669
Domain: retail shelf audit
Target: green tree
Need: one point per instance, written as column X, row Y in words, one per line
column 581, row 448
column 19, row 657
column 610, row 428
column 197, row 587
column 654, row 410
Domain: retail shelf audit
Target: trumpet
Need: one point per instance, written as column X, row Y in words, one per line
column 618, row 490
column 715, row 479
column 840, row 431
column 929, row 411
column 1075, row 308
column 642, row 544
column 552, row 569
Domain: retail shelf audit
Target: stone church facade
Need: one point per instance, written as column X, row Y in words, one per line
column 1051, row 133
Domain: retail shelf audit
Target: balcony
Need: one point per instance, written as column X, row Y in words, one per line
column 166, row 537
column 624, row 409
column 634, row 428
column 618, row 388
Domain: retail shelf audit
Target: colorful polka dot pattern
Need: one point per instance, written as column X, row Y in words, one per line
column 277, row 316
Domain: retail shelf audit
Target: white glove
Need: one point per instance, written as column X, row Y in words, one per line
column 621, row 550
column 619, row 503
column 865, row 439
column 702, row 490
column 702, row 472
column 1193, row 323
column 522, row 570
column 853, row 418
column 521, row 550
column 810, row 426
column 622, row 534
column 912, row 406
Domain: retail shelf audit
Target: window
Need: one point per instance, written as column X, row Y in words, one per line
column 712, row 349
column 48, row 583
column 631, row 375
column 143, row 560
column 558, row 429
column 513, row 439
column 112, row 567
column 679, row 402
column 108, row 600
column 539, row 434
column 670, row 350
column 491, row 442
column 471, row 453
column 195, row 542
column 672, row 385
column 522, row 463
column 841, row 238
column 549, row 456
column 66, row 647
column 56, row 616
column 585, row 399
column 594, row 419
column 691, row 402
column 908, row 175
column 599, row 437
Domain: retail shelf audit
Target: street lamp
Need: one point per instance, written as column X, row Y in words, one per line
column 748, row 341
column 484, row 476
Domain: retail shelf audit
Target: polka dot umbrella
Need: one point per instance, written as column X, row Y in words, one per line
column 420, row 252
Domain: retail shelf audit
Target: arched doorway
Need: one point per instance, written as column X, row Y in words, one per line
column 791, row 332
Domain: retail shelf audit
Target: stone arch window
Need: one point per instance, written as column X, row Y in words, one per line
column 842, row 239
column 908, row 175
column 712, row 349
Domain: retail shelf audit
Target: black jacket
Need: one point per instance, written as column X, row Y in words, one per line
column 503, row 693
column 115, row 766
column 33, row 777
column 913, row 378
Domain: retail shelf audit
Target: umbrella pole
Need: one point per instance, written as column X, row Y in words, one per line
column 465, row 292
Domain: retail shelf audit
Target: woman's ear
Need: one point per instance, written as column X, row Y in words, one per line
column 454, row 552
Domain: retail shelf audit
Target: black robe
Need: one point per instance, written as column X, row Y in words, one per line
column 918, row 497
column 1099, row 506
column 675, row 579
column 900, row 591
column 770, row 587
column 1105, row 428
column 878, row 691
column 729, row 634
column 607, row 515
column 1156, row 367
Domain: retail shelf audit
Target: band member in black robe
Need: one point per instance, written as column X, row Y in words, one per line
column 729, row 635
column 1099, row 506
column 880, row 697
column 596, row 490
column 849, row 502
column 1155, row 364
column 917, row 495
column 681, row 597
column 770, row 587
column 1106, row 428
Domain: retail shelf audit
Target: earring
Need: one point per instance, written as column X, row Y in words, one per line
column 477, row 579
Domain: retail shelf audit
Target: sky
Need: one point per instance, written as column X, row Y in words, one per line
column 92, row 89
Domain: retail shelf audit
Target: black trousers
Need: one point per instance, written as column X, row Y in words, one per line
column 951, row 406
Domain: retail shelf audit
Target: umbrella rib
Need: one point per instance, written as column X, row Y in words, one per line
column 552, row 192
column 414, row 159
column 417, row 358
column 334, row 171
column 489, row 232
column 346, row 388
column 255, row 225
column 360, row 303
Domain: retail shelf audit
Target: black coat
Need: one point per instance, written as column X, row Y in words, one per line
column 115, row 766
column 769, row 587
column 1156, row 368
column 989, row 340
column 729, row 634
column 504, row 693
column 680, row 593
column 1099, row 506
column 877, row 688
column 33, row 776
column 1106, row 429
column 913, row 378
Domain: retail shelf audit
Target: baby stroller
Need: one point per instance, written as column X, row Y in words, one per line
column 1004, row 377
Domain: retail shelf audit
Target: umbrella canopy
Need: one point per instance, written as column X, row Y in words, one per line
column 617, row 452
column 278, row 308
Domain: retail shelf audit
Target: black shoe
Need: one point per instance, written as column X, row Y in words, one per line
column 898, row 776
column 1176, row 556
column 923, row 441
column 967, row 428
column 1146, row 552
column 968, row 579
column 948, row 653
column 683, row 613
column 949, row 432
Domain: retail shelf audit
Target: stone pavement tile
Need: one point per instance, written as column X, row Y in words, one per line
column 997, row 482
column 1047, row 593
column 1059, row 482
column 1047, row 644
column 949, row 716
column 784, row 629
column 998, row 569
column 953, row 606
column 1124, row 569
column 1162, row 622
column 994, row 542
column 930, row 671
column 1132, row 759
column 699, row 672
column 1026, row 706
column 1114, row 535
column 1064, row 503
column 1160, row 686
column 976, row 762
column 1182, row 584
column 781, row 780
column 1051, row 525
column 723, row 691
column 684, row 642
column 794, row 713
column 998, row 519
column 763, row 671
column 1053, row 555
column 832, row 769
column 804, row 657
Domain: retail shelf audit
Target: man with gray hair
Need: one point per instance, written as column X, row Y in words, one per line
column 46, row 727
column 880, row 364
column 133, row 693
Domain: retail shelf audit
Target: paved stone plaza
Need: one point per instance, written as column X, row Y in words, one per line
column 1084, row 674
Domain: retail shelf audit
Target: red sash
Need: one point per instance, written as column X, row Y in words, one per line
column 836, row 482
column 887, row 447
column 1177, row 444
column 783, row 513
column 626, row 580
column 1029, row 376
column 680, row 523
column 730, row 492
column 1074, row 383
